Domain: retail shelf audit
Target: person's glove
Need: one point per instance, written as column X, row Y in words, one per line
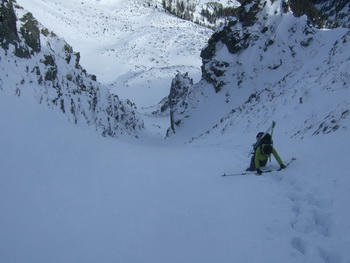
column 259, row 172
column 282, row 166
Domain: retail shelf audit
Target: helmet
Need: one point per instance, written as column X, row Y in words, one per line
column 267, row 138
column 259, row 135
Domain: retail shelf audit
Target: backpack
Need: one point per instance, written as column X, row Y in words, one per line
column 266, row 141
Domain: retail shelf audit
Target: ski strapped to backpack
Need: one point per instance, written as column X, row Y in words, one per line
column 270, row 129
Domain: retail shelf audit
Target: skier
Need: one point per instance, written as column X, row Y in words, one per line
column 262, row 152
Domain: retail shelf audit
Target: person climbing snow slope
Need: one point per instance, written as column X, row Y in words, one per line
column 262, row 152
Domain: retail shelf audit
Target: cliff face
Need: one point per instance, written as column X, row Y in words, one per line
column 35, row 62
column 177, row 100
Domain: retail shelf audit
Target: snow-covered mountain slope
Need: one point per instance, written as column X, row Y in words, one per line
column 69, row 195
column 133, row 45
column 259, row 68
column 37, row 64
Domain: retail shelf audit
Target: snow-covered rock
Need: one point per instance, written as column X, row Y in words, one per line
column 176, row 99
column 37, row 63
column 267, row 59
column 336, row 12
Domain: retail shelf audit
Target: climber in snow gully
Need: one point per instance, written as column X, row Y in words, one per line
column 262, row 152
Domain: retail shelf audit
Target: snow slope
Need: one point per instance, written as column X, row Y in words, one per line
column 131, row 45
column 70, row 195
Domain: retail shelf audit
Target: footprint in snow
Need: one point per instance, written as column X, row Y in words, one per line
column 310, row 214
column 311, row 219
